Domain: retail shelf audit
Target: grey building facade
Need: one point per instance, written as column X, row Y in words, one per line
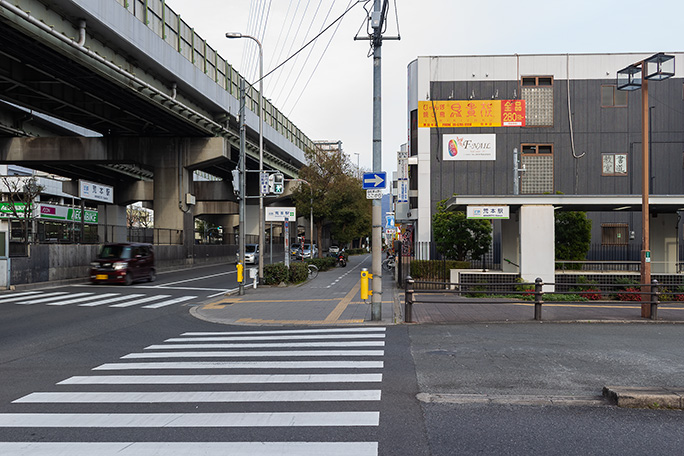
column 581, row 136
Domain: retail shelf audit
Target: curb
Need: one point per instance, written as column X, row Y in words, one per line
column 645, row 397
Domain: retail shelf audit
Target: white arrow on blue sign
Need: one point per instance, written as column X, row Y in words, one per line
column 374, row 180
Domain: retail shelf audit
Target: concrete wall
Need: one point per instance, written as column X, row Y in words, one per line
column 57, row 262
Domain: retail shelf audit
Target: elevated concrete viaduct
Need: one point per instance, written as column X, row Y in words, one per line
column 159, row 101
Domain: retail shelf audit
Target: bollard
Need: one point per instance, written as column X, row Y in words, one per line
column 655, row 299
column 538, row 298
column 408, row 301
column 365, row 278
column 240, row 273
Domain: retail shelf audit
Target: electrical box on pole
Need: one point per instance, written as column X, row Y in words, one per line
column 236, row 181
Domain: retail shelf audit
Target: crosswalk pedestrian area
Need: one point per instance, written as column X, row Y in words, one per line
column 91, row 299
column 322, row 383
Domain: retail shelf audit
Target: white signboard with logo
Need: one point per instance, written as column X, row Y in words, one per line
column 488, row 212
column 469, row 147
column 96, row 192
column 281, row 214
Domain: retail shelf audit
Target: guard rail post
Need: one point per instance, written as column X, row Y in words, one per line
column 655, row 299
column 538, row 298
column 408, row 300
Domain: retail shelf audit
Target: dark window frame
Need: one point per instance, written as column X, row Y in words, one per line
column 614, row 234
column 615, row 91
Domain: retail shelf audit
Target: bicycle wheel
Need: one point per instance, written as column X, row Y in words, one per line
column 385, row 265
column 313, row 271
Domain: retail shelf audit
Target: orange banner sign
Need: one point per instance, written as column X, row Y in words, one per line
column 471, row 113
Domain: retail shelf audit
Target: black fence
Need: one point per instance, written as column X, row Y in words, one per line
column 651, row 295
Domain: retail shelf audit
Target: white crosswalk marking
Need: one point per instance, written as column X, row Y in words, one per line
column 331, row 368
column 140, row 301
column 91, row 299
column 86, row 297
column 187, row 448
column 110, row 300
column 169, row 302
column 17, row 296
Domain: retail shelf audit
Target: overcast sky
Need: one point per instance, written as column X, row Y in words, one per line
column 336, row 103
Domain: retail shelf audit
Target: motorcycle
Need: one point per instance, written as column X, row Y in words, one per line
column 342, row 259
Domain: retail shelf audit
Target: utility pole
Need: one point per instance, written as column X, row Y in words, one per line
column 377, row 24
column 243, row 187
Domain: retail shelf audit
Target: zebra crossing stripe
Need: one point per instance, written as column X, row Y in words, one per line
column 286, row 331
column 17, row 296
column 140, row 301
column 169, row 302
column 253, row 354
column 217, row 379
column 53, row 295
column 174, row 420
column 110, row 300
column 201, row 396
column 276, row 337
column 185, row 448
column 244, row 365
column 81, row 299
column 43, row 299
column 368, row 343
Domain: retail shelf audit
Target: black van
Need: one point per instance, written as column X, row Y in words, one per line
column 123, row 263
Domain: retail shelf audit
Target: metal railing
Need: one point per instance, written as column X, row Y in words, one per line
column 636, row 293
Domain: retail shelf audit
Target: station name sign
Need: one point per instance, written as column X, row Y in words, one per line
column 487, row 212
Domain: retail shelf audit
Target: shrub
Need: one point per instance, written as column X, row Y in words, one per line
column 630, row 295
column 679, row 294
column 275, row 274
column 591, row 294
column 323, row 264
column 356, row 251
column 435, row 269
column 299, row 272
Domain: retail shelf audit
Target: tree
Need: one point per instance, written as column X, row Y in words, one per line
column 573, row 236
column 460, row 238
column 338, row 196
column 23, row 192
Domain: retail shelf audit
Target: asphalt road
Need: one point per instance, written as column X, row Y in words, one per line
column 79, row 372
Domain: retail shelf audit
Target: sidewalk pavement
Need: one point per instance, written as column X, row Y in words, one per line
column 332, row 298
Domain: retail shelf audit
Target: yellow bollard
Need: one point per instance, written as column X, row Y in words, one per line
column 240, row 273
column 365, row 278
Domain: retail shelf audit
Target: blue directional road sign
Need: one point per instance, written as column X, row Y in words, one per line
column 374, row 180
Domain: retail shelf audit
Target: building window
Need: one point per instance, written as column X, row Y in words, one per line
column 614, row 234
column 613, row 98
column 537, row 91
column 537, row 159
column 614, row 164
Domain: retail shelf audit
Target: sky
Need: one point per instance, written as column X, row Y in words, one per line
column 326, row 91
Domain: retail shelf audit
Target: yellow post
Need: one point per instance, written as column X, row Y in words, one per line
column 240, row 273
column 365, row 278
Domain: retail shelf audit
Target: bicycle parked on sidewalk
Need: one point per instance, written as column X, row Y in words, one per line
column 389, row 263
column 313, row 271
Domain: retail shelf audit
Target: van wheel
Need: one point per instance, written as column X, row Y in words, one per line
column 128, row 279
column 153, row 275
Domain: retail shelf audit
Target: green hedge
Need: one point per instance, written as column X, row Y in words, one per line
column 277, row 273
column 435, row 269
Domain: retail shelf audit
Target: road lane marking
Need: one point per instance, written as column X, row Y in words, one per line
column 185, row 448
column 218, row 379
column 344, row 303
column 202, row 396
column 174, row 420
column 140, row 301
column 244, row 365
column 53, row 295
column 287, row 331
column 369, row 343
column 109, row 301
column 81, row 299
column 253, row 354
column 17, row 296
column 157, row 305
column 276, row 337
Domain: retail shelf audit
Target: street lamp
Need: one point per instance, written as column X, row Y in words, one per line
column 658, row 67
column 262, row 228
